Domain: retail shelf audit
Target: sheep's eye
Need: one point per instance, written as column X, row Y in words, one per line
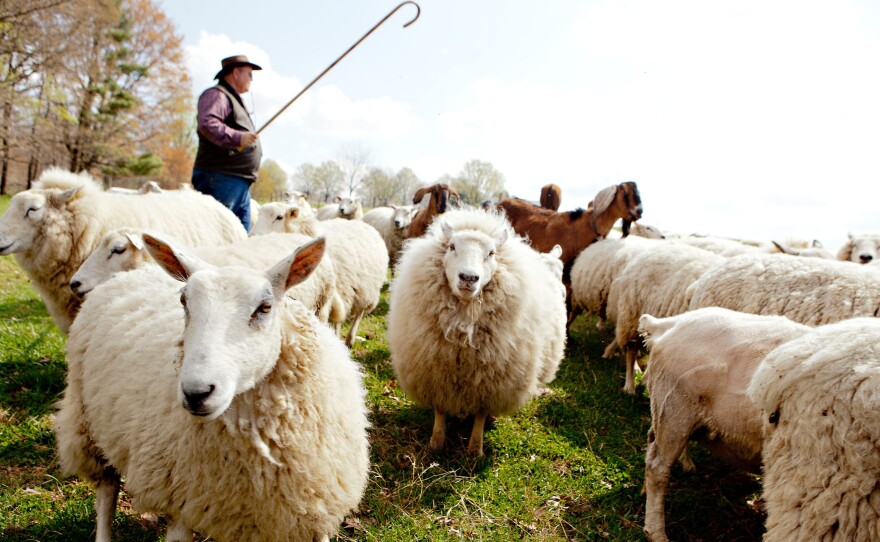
column 28, row 212
column 264, row 308
column 183, row 300
column 491, row 253
column 279, row 217
column 118, row 250
column 452, row 248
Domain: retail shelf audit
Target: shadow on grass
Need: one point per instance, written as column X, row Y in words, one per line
column 75, row 522
column 31, row 387
column 26, row 309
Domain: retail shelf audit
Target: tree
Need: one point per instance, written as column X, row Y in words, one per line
column 378, row 188
column 271, row 182
column 354, row 162
column 405, row 185
column 305, row 180
column 330, row 180
column 477, row 182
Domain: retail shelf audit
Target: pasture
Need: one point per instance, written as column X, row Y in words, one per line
column 568, row 466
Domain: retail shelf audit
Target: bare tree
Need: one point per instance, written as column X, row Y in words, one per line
column 478, row 181
column 354, row 161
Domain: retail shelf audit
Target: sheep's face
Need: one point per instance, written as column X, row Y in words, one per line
column 21, row 223
column 118, row 251
column 864, row 248
column 470, row 260
column 348, row 207
column 403, row 216
column 273, row 218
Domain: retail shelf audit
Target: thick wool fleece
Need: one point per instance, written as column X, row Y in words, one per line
column 490, row 354
column 819, row 395
column 287, row 461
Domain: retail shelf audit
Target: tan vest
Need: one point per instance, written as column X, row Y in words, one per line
column 244, row 163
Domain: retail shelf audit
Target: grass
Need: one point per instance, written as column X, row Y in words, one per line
column 568, row 466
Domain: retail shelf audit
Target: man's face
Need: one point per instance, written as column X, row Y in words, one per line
column 241, row 78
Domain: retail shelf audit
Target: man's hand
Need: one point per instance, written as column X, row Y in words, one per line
column 248, row 139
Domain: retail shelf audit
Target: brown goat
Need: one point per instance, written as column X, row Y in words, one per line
column 574, row 230
column 551, row 196
column 438, row 204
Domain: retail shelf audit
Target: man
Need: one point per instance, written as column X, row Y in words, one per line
column 229, row 152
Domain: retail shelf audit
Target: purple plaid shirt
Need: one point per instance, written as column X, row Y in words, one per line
column 213, row 108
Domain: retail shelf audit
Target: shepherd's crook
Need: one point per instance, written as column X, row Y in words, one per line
column 330, row 67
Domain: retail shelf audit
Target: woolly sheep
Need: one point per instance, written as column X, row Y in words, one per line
column 52, row 228
column 647, row 231
column 359, row 257
column 814, row 250
column 718, row 245
column 700, row 366
column 811, row 291
column 274, row 217
column 654, row 281
column 860, row 248
column 476, row 321
column 819, row 395
column 124, row 250
column 244, row 420
column 392, row 224
column 331, row 210
column 349, row 208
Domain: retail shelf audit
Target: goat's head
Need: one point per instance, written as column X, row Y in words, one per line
column 440, row 195
column 119, row 250
column 232, row 330
column 624, row 198
column 470, row 260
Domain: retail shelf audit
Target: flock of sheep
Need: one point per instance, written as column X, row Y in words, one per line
column 206, row 366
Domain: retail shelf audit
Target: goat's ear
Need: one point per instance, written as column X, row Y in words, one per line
column 420, row 193
column 501, row 238
column 447, row 230
column 175, row 263
column 297, row 267
column 603, row 199
column 136, row 240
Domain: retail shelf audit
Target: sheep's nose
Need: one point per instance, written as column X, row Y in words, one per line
column 470, row 279
column 865, row 258
column 195, row 398
column 74, row 285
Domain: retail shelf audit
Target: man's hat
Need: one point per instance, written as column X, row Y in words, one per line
column 231, row 62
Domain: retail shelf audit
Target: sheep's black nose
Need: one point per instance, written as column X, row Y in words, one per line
column 470, row 279
column 865, row 258
column 195, row 399
column 74, row 285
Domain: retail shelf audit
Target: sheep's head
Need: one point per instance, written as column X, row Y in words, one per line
column 470, row 260
column 118, row 250
column 31, row 213
column 864, row 248
column 403, row 216
column 275, row 218
column 232, row 334
column 348, row 207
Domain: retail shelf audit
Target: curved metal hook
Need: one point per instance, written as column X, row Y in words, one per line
column 330, row 67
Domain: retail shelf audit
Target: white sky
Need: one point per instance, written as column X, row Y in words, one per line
column 744, row 118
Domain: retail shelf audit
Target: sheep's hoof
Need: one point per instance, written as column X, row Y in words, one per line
column 630, row 389
column 544, row 391
column 149, row 520
column 476, row 451
column 436, row 444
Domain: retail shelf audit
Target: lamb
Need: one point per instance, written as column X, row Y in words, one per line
column 476, row 321
column 247, row 419
column 654, row 281
column 811, row 291
column 279, row 216
column 818, row 395
column 551, row 197
column 647, row 231
column 359, row 257
column 123, row 250
column 438, row 196
column 348, row 208
column 700, row 366
column 52, row 228
column 392, row 224
column 861, row 248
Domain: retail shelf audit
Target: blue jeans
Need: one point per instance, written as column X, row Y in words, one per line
column 230, row 190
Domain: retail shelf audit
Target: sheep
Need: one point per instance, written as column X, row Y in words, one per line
column 700, row 366
column 53, row 227
column 476, row 321
column 238, row 415
column 280, row 217
column 349, row 208
column 654, row 281
column 123, row 250
column 438, row 202
column 811, row 291
column 551, row 197
column 818, row 396
column 359, row 257
column 719, row 245
column 647, row 231
column 327, row 212
column 392, row 224
column 861, row 248
column 814, row 250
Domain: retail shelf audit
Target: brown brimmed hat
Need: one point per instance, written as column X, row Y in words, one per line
column 235, row 61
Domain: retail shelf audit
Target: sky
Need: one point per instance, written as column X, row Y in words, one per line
column 751, row 119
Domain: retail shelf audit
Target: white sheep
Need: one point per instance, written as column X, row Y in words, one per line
column 819, row 395
column 476, row 322
column 349, row 208
column 392, row 224
column 123, row 250
column 812, row 250
column 860, row 248
column 52, row 228
column 655, row 281
column 281, row 217
column 811, row 291
column 359, row 256
column 237, row 415
column 700, row 366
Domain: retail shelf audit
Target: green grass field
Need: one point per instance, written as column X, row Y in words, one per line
column 568, row 466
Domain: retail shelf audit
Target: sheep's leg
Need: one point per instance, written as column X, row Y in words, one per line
column 475, row 447
column 352, row 333
column 106, row 494
column 338, row 326
column 438, row 435
column 610, row 349
column 572, row 316
column 632, row 349
column 178, row 532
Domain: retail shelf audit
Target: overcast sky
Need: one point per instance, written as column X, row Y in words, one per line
column 752, row 119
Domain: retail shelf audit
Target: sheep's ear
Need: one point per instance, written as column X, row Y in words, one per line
column 136, row 240
column 603, row 199
column 556, row 251
column 178, row 265
column 393, row 206
column 781, row 248
column 338, row 197
column 293, row 212
column 501, row 238
column 297, row 267
column 66, row 197
column 817, row 244
column 447, row 230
